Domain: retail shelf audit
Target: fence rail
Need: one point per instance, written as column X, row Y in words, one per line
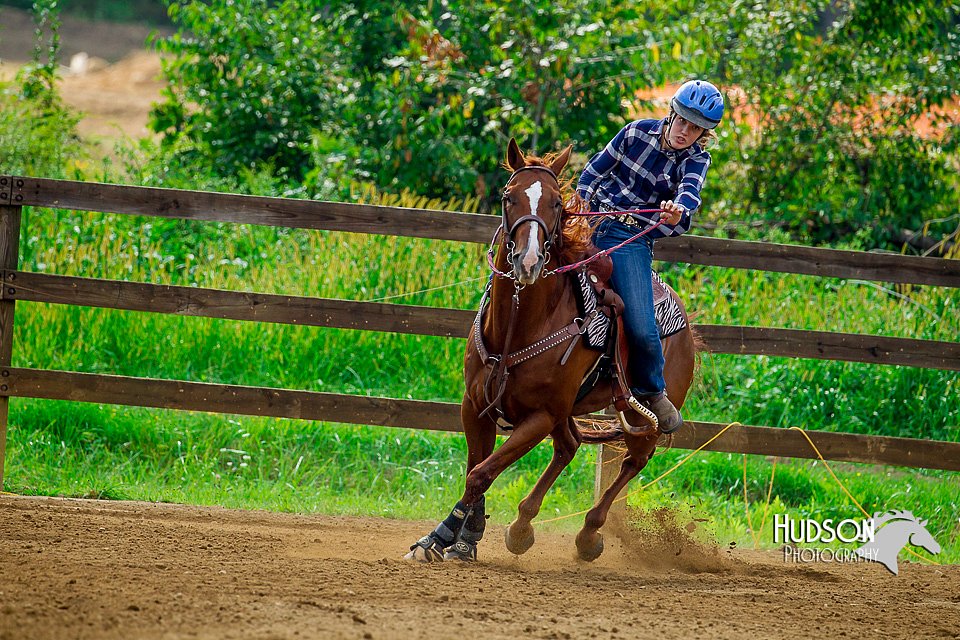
column 464, row 227
column 442, row 416
column 17, row 191
column 433, row 321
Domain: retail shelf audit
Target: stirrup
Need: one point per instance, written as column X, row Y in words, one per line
column 432, row 549
column 642, row 410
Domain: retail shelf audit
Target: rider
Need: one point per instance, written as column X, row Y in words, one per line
column 651, row 162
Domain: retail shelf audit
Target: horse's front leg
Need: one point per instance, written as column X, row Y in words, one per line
column 566, row 441
column 527, row 434
column 463, row 522
column 639, row 452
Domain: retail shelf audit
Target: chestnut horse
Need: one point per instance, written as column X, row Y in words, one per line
column 528, row 303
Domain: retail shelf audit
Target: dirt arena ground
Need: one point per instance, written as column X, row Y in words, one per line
column 95, row 569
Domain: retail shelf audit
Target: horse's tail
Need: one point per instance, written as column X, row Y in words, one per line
column 699, row 345
column 597, row 431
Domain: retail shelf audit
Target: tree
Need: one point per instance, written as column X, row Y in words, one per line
column 831, row 92
column 251, row 83
column 473, row 74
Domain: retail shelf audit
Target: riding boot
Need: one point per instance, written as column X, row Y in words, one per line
column 667, row 415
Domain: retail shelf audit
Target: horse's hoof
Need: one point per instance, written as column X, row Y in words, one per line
column 519, row 537
column 589, row 544
column 461, row 550
column 426, row 549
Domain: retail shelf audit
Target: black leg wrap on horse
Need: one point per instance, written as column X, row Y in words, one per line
column 461, row 550
column 432, row 548
column 443, row 536
column 476, row 523
column 465, row 547
column 446, row 532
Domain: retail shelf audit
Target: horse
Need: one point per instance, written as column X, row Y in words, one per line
column 528, row 305
column 903, row 528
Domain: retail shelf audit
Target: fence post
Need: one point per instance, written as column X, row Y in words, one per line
column 9, row 256
column 608, row 467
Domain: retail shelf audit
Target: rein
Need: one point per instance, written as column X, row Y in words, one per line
column 499, row 365
column 606, row 252
column 575, row 265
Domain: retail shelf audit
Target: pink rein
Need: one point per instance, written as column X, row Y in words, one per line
column 596, row 256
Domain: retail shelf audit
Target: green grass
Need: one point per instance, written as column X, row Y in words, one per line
column 61, row 448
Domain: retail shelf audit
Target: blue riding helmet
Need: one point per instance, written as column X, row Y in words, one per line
column 699, row 102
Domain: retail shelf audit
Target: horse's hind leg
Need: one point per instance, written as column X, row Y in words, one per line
column 589, row 540
column 465, row 522
column 566, row 441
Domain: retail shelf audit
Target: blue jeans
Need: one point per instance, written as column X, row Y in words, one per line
column 632, row 280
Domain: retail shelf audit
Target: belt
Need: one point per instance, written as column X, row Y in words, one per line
column 627, row 219
column 624, row 218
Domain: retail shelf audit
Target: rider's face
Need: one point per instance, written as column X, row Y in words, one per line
column 683, row 133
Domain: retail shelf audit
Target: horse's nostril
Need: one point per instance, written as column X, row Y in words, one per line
column 532, row 259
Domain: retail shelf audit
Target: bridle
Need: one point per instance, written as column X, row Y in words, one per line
column 510, row 229
column 499, row 365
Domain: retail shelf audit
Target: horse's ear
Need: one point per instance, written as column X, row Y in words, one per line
column 561, row 160
column 924, row 523
column 515, row 158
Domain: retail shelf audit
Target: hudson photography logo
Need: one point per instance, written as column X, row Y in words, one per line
column 880, row 538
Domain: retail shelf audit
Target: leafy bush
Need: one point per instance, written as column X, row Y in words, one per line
column 37, row 131
column 250, row 84
column 473, row 74
column 824, row 96
column 827, row 96
column 413, row 98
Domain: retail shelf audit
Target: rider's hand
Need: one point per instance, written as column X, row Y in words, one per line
column 672, row 212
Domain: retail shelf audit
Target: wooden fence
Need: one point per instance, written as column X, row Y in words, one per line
column 17, row 192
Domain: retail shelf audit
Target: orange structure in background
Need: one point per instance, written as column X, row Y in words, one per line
column 654, row 102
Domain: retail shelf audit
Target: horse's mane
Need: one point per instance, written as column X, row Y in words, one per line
column 576, row 231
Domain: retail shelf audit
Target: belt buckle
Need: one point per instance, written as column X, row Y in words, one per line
column 624, row 218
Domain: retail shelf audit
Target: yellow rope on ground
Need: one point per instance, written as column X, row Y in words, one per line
column 655, row 480
column 746, row 505
column 769, row 487
column 766, row 506
column 755, row 533
column 849, row 495
column 679, row 464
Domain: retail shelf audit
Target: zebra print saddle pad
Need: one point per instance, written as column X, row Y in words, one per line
column 668, row 314
column 670, row 319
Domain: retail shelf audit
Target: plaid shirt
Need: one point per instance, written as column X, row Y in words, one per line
column 633, row 172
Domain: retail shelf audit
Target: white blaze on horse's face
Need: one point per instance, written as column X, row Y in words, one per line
column 530, row 254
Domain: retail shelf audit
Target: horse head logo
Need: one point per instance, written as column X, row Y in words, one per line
column 899, row 528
